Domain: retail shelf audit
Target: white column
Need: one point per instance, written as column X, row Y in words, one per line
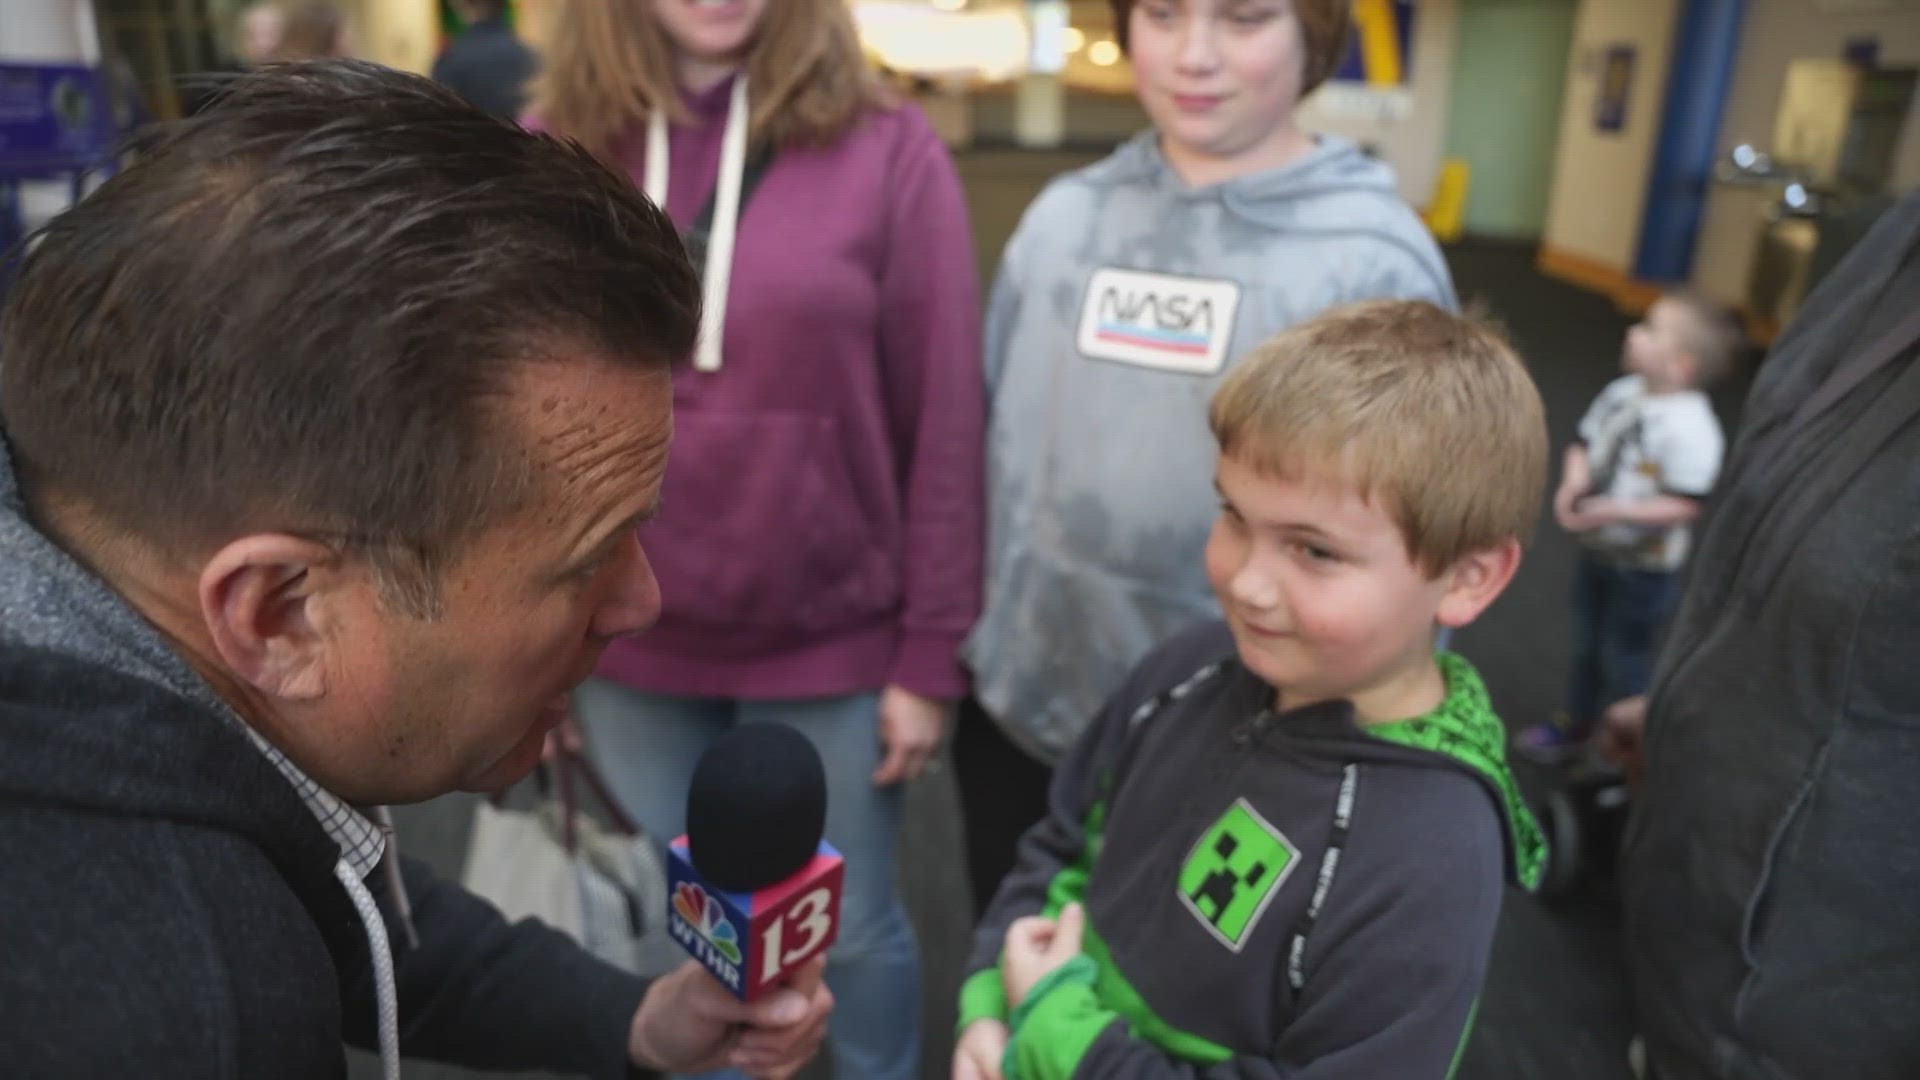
column 1040, row 103
column 47, row 32
column 1040, row 112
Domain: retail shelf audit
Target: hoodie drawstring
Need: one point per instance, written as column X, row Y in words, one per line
column 1329, row 863
column 726, row 215
column 385, row 992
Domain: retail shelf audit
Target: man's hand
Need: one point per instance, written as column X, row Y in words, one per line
column 981, row 1049
column 689, row 1023
column 1622, row 737
column 910, row 729
column 1035, row 946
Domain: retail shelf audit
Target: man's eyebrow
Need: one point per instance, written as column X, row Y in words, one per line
column 620, row 528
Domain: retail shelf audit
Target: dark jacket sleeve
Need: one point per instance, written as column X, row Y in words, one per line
column 481, row 992
column 1051, row 867
column 1056, row 854
column 1393, row 971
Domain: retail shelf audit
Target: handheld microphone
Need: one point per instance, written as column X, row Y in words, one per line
column 754, row 890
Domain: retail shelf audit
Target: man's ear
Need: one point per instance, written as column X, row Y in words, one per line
column 260, row 597
column 1474, row 581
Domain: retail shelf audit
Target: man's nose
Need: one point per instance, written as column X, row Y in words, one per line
column 633, row 600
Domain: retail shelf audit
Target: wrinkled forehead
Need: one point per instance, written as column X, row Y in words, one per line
column 592, row 432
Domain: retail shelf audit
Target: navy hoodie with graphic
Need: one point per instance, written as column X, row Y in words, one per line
column 1268, row 894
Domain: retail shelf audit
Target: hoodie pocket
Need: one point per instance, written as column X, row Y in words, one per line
column 1831, row 932
column 762, row 527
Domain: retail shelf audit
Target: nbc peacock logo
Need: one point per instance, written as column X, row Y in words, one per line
column 703, row 913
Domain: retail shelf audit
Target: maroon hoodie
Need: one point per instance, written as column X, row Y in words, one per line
column 821, row 530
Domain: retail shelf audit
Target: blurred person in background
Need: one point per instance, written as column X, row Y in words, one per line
column 311, row 31
column 258, row 33
column 1642, row 464
column 820, row 538
column 1124, row 297
column 487, row 63
column 271, row 32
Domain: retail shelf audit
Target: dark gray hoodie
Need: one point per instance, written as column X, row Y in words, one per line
column 170, row 905
column 1268, row 895
column 1772, row 870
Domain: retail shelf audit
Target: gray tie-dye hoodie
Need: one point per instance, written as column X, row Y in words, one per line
column 1122, row 298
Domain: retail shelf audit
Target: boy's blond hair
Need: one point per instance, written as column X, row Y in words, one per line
column 1429, row 412
column 1712, row 334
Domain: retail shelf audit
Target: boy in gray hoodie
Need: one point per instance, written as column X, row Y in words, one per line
column 1280, row 849
column 1127, row 294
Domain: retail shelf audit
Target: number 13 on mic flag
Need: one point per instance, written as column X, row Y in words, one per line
column 751, row 940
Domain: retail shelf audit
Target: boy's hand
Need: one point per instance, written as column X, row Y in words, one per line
column 1035, row 946
column 1592, row 512
column 1567, row 509
column 981, row 1049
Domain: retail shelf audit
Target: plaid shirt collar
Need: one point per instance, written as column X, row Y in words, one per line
column 362, row 841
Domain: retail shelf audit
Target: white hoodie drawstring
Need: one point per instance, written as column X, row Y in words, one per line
column 718, row 276
column 385, row 993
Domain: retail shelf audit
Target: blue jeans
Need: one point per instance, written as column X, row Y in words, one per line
column 647, row 745
column 1618, row 612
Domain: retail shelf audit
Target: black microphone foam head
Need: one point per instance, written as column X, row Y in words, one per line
column 757, row 807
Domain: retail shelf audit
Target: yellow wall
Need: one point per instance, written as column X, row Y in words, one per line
column 1409, row 138
column 1776, row 32
column 1600, row 177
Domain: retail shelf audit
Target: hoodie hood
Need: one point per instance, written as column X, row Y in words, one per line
column 1335, row 190
column 1462, row 734
column 49, row 601
column 1465, row 731
column 87, row 682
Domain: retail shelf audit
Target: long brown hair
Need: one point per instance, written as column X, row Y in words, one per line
column 609, row 65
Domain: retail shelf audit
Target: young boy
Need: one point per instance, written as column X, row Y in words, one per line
column 1280, row 849
column 1649, row 451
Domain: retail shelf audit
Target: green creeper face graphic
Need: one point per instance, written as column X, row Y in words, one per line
column 1233, row 872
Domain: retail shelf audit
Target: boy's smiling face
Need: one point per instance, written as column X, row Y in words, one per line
column 1324, row 598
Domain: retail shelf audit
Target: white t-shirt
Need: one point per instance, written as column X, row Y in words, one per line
column 1642, row 445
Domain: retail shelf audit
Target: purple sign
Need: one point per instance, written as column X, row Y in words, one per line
column 54, row 121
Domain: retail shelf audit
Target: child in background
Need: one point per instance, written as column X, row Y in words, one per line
column 1280, row 848
column 1648, row 453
